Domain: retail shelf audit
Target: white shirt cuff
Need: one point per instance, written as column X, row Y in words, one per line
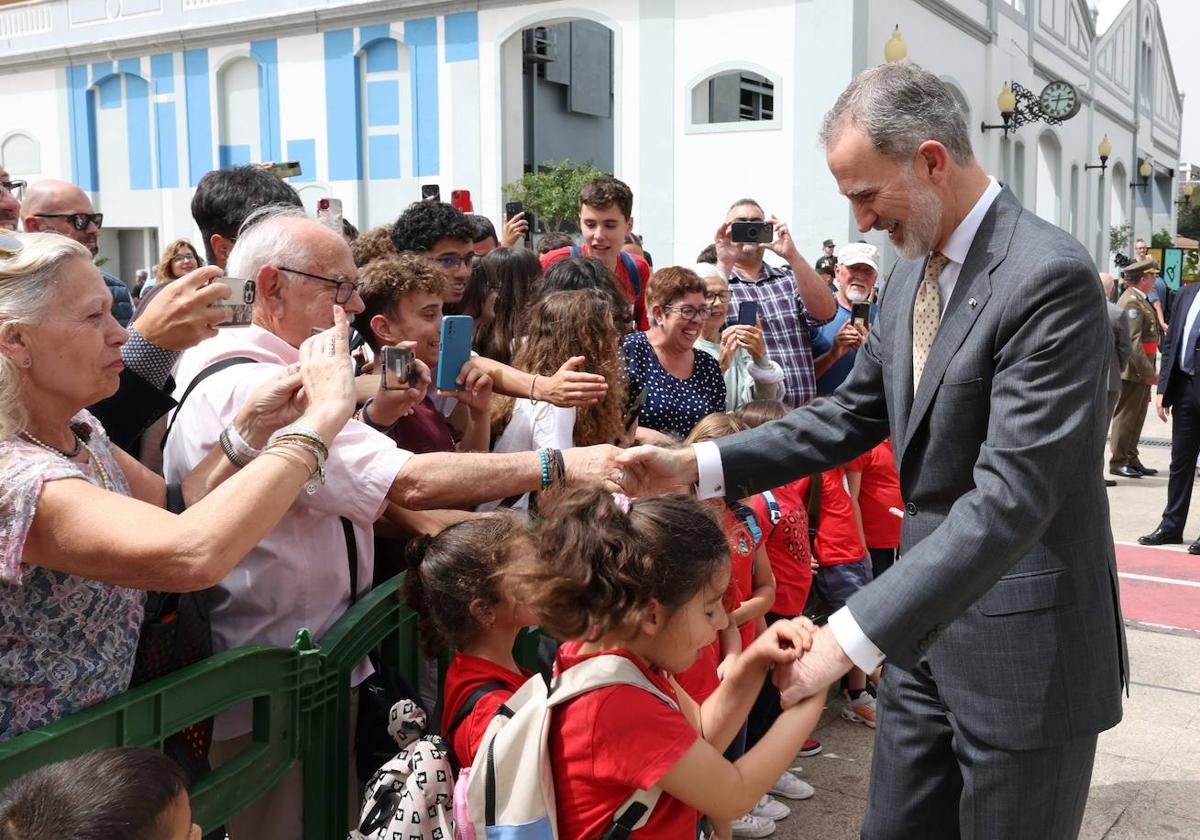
column 711, row 483
column 854, row 641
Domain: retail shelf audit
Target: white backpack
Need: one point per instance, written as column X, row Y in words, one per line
column 510, row 793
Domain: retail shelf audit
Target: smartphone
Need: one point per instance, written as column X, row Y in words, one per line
column 748, row 313
column 512, row 208
column 431, row 192
column 455, row 350
column 240, row 302
column 760, row 232
column 860, row 313
column 286, row 169
column 461, row 200
column 397, row 369
column 635, row 411
column 329, row 211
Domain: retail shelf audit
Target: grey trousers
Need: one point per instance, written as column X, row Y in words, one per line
column 931, row 779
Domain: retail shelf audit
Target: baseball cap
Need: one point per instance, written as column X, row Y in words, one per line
column 859, row 253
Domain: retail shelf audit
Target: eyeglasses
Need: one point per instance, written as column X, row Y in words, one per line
column 16, row 188
column 345, row 288
column 688, row 312
column 79, row 221
column 713, row 297
column 184, row 257
column 451, row 262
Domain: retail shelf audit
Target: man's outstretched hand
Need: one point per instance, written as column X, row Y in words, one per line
column 812, row 672
column 653, row 469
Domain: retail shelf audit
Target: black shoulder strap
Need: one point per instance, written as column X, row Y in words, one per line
column 215, row 367
column 468, row 706
column 351, row 556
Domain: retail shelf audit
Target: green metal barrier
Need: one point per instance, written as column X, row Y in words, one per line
column 301, row 711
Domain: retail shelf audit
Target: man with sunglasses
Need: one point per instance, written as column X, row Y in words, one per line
column 62, row 207
column 11, row 192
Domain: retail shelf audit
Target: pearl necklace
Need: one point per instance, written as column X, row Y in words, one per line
column 67, row 454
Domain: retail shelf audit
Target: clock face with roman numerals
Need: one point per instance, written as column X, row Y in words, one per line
column 1059, row 100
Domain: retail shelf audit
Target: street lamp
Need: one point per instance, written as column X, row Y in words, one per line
column 1007, row 103
column 1188, row 189
column 1105, row 151
column 895, row 49
column 1145, row 170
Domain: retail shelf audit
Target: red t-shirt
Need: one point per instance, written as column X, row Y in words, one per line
column 610, row 742
column 880, row 490
column 741, row 558
column 465, row 674
column 638, row 300
column 425, row 430
column 787, row 547
column 837, row 539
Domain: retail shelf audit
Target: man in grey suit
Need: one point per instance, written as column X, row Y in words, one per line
column 1000, row 621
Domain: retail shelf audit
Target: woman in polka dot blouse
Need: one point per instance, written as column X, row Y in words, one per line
column 682, row 384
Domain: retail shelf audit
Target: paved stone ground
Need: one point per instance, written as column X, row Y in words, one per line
column 1146, row 783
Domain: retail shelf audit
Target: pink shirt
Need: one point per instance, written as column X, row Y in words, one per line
column 298, row 575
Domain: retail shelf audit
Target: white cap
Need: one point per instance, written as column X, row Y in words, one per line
column 859, row 253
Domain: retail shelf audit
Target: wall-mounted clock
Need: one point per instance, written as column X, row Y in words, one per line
column 1059, row 100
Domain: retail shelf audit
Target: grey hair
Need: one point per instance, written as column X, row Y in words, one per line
column 900, row 105
column 265, row 238
column 28, row 282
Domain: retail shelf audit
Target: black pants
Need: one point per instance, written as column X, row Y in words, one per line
column 881, row 559
column 1185, row 448
column 766, row 706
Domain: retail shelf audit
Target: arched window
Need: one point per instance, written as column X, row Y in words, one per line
column 1117, row 213
column 1048, row 194
column 733, row 96
column 20, row 154
column 238, row 113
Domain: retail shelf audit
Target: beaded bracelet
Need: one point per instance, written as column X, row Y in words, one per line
column 544, row 457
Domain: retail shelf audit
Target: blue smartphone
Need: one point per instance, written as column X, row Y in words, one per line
column 747, row 313
column 455, row 350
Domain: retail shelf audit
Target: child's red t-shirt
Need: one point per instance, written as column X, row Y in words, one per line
column 787, row 547
column 880, row 490
column 610, row 742
column 838, row 540
column 465, row 674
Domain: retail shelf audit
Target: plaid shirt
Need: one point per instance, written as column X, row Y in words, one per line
column 786, row 325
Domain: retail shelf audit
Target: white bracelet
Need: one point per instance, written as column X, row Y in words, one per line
column 239, row 444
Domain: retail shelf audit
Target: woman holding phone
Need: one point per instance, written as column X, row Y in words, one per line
column 740, row 349
column 82, row 524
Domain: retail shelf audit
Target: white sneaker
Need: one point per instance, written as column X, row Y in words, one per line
column 861, row 710
column 772, row 809
column 791, row 787
column 752, row 826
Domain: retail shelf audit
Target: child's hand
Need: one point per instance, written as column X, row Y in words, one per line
column 784, row 642
column 726, row 666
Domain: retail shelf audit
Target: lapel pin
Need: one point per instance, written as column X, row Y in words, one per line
column 972, row 303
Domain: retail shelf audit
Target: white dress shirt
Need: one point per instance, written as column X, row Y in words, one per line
column 299, row 574
column 861, row 650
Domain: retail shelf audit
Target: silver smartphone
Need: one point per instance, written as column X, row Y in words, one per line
column 240, row 302
column 397, row 370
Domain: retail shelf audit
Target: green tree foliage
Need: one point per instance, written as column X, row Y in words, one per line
column 552, row 193
column 1118, row 238
column 1162, row 239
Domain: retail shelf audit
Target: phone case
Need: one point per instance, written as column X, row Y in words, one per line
column 747, row 313
column 455, row 350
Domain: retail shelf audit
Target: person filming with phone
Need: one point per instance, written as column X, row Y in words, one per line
column 836, row 343
column 792, row 299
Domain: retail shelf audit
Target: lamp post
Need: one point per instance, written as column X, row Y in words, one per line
column 1105, row 151
column 895, row 49
column 1145, row 171
column 1007, row 103
column 1188, row 189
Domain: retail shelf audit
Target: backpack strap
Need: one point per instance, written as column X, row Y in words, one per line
column 351, row 557
column 215, row 367
column 468, row 706
column 773, row 509
column 633, row 814
column 629, row 264
column 576, row 251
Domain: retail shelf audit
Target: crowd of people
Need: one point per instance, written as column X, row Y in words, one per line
column 270, row 465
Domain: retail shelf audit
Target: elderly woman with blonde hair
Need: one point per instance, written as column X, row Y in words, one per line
column 82, row 525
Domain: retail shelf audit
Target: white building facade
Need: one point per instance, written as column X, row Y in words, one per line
column 136, row 99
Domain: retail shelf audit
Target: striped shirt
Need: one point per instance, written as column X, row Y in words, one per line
column 786, row 324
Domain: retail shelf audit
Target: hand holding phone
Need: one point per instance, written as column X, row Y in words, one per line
column 761, row 233
column 240, row 303
column 860, row 314
column 397, row 369
column 431, row 192
column 455, row 350
column 747, row 313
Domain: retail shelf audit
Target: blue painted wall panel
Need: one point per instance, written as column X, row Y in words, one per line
column 383, row 103
column 421, row 38
column 199, row 114
column 81, row 122
column 130, row 65
column 267, row 54
column 109, row 92
column 382, row 56
column 167, row 144
column 234, row 155
column 385, row 155
column 162, row 71
column 462, row 36
column 137, row 133
column 304, row 151
column 101, row 69
column 341, row 106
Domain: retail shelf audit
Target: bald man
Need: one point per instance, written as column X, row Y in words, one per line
column 62, row 207
column 10, row 200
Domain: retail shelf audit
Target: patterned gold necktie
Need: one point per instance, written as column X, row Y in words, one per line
column 927, row 314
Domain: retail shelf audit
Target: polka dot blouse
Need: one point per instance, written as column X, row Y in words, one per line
column 673, row 406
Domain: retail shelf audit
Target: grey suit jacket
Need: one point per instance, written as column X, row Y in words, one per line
column 1007, row 583
column 1120, row 331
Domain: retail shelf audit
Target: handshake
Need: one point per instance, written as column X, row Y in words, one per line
column 804, row 659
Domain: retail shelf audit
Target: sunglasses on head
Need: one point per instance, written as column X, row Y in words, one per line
column 79, row 221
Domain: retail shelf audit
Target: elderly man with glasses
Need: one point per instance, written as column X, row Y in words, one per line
column 11, row 193
column 62, row 207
